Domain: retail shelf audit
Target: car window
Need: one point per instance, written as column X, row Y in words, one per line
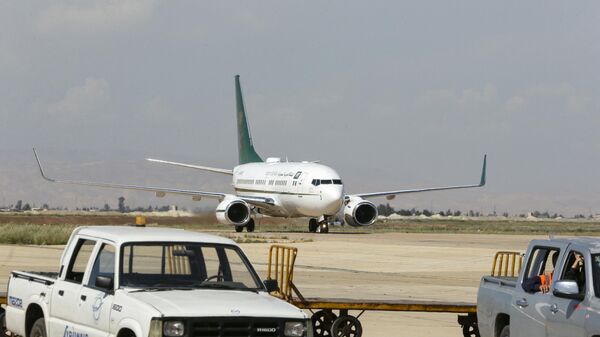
column 574, row 270
column 159, row 259
column 596, row 273
column 104, row 264
column 79, row 261
column 541, row 261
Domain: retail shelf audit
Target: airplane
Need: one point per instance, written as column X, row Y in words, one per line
column 277, row 188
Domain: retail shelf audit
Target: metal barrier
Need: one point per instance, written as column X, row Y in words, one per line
column 281, row 269
column 507, row 264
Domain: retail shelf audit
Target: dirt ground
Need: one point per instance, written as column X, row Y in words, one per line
column 443, row 267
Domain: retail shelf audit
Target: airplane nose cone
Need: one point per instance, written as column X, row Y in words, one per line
column 332, row 198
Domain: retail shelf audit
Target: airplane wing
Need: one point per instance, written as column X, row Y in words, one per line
column 160, row 192
column 392, row 194
column 197, row 167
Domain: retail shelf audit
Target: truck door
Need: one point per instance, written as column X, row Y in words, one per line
column 530, row 306
column 566, row 317
column 95, row 302
column 64, row 302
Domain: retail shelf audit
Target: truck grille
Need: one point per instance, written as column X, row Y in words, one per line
column 236, row 327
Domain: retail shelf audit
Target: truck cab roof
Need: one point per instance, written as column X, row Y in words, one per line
column 123, row 234
column 590, row 243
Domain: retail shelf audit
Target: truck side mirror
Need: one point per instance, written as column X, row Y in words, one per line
column 271, row 285
column 567, row 289
column 104, row 282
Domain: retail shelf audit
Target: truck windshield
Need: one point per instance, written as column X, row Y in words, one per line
column 186, row 265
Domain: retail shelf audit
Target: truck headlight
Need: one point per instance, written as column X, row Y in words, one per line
column 294, row 329
column 173, row 328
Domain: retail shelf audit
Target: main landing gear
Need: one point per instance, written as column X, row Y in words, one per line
column 318, row 227
column 249, row 227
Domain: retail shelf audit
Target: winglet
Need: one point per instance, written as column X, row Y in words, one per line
column 40, row 166
column 483, row 171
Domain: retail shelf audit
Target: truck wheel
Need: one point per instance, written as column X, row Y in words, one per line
column 322, row 321
column 2, row 323
column 505, row 331
column 346, row 326
column 38, row 329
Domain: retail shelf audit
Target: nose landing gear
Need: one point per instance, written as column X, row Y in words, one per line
column 249, row 227
column 315, row 226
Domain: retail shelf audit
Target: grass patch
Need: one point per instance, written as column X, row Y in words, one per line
column 28, row 234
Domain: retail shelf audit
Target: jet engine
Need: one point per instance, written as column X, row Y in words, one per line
column 360, row 212
column 233, row 212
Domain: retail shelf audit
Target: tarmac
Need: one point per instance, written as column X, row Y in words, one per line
column 386, row 266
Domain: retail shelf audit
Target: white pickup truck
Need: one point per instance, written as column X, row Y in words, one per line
column 149, row 282
column 532, row 305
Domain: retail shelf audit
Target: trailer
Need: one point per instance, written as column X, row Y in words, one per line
column 331, row 316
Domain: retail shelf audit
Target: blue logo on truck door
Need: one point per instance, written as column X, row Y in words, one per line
column 15, row 302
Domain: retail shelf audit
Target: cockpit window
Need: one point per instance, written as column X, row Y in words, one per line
column 318, row 182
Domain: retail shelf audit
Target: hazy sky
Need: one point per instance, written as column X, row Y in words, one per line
column 391, row 94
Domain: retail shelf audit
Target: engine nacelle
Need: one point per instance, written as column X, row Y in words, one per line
column 233, row 212
column 360, row 212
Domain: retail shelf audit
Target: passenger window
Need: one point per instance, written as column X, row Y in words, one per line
column 574, row 270
column 104, row 264
column 79, row 260
column 541, row 261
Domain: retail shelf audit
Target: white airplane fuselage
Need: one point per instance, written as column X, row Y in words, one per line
column 301, row 189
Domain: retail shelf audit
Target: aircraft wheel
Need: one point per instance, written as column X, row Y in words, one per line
column 250, row 226
column 239, row 229
column 323, row 228
column 346, row 326
column 312, row 225
column 322, row 321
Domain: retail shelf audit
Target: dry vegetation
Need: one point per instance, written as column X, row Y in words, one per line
column 49, row 229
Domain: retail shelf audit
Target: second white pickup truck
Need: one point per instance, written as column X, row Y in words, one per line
column 557, row 293
column 149, row 282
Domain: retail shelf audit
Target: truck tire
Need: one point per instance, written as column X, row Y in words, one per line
column 2, row 323
column 505, row 331
column 38, row 329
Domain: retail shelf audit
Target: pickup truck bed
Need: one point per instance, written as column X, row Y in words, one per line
column 44, row 278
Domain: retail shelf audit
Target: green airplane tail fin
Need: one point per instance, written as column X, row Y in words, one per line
column 246, row 151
